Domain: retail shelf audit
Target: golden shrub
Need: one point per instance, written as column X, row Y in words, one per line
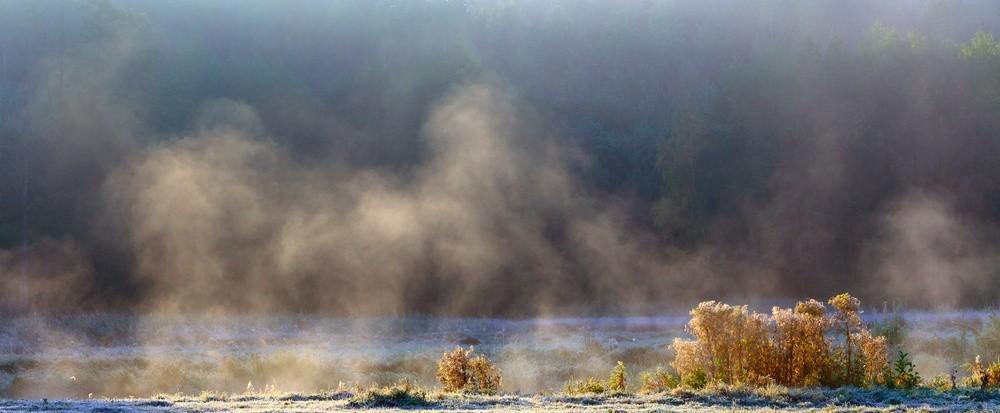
column 717, row 329
column 874, row 355
column 858, row 357
column 688, row 357
column 459, row 370
column 484, row 376
column 731, row 344
column 451, row 369
column 791, row 347
column 800, row 344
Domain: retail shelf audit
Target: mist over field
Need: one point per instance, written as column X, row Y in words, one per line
column 495, row 158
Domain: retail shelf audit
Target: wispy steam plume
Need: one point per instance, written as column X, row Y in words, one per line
column 930, row 256
column 226, row 219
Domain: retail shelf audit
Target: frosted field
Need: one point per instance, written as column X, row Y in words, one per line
column 121, row 356
column 118, row 363
column 860, row 402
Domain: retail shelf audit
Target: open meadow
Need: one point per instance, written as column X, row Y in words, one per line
column 298, row 363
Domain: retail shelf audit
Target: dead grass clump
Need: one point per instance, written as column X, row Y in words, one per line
column 803, row 346
column 458, row 370
column 401, row 395
column 588, row 386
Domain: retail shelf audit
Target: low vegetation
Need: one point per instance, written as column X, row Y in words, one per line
column 819, row 347
column 618, row 380
column 616, row 384
column 658, row 381
column 402, row 394
column 902, row 374
column 803, row 346
column 461, row 371
column 983, row 376
column 589, row 385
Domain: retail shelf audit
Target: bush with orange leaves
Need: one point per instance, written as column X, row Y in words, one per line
column 803, row 346
column 459, row 370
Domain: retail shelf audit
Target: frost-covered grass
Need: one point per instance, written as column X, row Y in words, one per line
column 401, row 395
column 713, row 398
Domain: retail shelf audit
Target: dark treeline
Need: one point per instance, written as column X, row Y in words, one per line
column 788, row 148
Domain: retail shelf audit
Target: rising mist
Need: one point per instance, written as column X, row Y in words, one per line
column 495, row 158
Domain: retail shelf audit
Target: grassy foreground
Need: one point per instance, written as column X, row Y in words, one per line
column 712, row 398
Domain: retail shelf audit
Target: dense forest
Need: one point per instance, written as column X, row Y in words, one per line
column 496, row 157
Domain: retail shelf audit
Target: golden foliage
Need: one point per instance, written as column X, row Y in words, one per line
column 800, row 344
column 459, row 370
column 484, row 376
column 874, row 353
column 792, row 347
column 985, row 377
column 451, row 369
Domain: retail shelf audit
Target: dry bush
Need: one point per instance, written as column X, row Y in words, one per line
column 484, row 376
column 730, row 345
column 859, row 358
column 800, row 344
column 451, row 370
column 847, row 323
column 459, row 370
column 688, row 357
column 874, row 356
column 796, row 347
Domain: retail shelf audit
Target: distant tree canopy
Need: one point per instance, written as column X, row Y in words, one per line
column 828, row 137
